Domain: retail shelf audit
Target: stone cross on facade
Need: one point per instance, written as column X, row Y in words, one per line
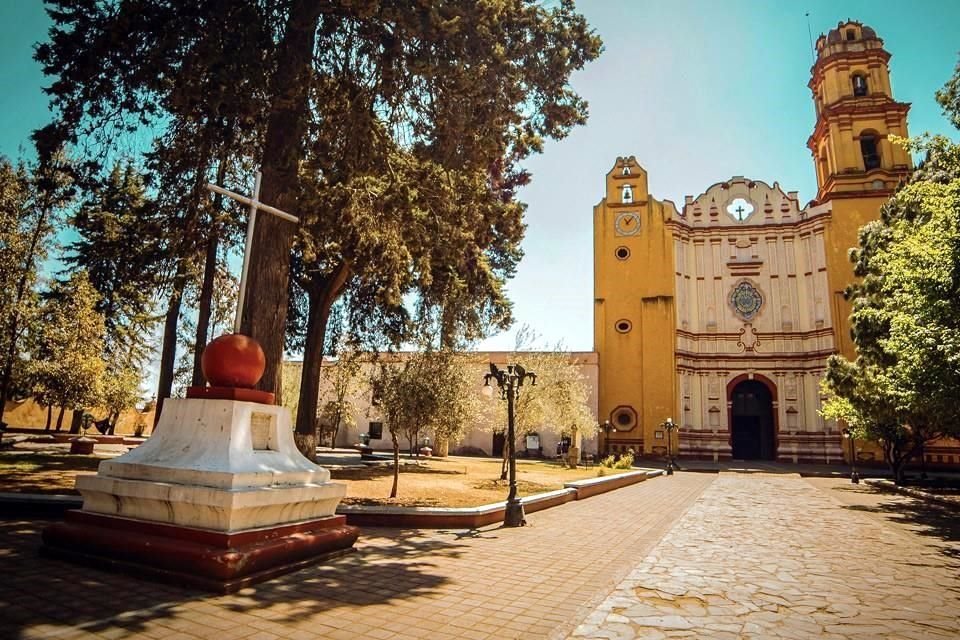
column 255, row 205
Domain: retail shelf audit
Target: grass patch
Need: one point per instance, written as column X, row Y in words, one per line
column 43, row 472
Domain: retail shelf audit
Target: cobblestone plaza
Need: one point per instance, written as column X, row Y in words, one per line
column 694, row 555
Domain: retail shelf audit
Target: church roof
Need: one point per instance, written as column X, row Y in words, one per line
column 742, row 200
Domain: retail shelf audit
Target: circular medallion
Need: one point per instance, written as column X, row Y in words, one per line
column 627, row 224
column 746, row 300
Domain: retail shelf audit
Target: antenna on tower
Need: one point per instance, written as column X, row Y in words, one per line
column 813, row 55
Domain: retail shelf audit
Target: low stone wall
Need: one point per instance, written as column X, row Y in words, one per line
column 474, row 517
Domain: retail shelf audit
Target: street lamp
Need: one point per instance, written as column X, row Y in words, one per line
column 669, row 426
column 854, row 476
column 606, row 427
column 509, row 381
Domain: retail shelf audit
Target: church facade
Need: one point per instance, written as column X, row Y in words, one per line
column 720, row 313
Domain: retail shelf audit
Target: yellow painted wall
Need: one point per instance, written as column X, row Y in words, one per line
column 637, row 367
column 840, row 236
column 29, row 414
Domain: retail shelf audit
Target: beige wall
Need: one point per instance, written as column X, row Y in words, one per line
column 478, row 435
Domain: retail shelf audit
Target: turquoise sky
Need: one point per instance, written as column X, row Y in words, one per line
column 698, row 91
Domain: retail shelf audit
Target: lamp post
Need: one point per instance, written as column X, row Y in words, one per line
column 509, row 381
column 606, row 427
column 854, row 476
column 669, row 426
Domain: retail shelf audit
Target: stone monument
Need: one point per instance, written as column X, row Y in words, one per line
column 219, row 497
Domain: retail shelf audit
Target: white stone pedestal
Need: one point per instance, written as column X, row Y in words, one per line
column 219, row 496
column 223, row 465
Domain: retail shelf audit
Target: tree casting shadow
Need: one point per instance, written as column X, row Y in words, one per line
column 44, row 591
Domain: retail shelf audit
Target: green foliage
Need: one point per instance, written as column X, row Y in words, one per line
column 119, row 390
column 426, row 391
column 625, row 461
column 117, row 247
column 343, row 381
column 29, row 206
column 902, row 389
column 558, row 402
column 18, row 308
column 949, row 97
column 395, row 130
column 69, row 365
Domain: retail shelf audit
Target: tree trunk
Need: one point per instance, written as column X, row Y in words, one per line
column 168, row 352
column 320, row 297
column 60, row 419
column 203, row 312
column 269, row 267
column 442, row 447
column 209, row 275
column 76, row 421
column 396, row 465
column 49, row 417
column 333, row 435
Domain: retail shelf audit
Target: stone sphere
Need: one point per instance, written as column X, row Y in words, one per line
column 233, row 360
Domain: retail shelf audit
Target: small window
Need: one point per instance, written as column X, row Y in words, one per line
column 627, row 195
column 375, row 431
column 622, row 253
column 623, row 326
column 625, row 171
column 859, row 85
column 624, row 418
column 868, row 149
column 851, row 34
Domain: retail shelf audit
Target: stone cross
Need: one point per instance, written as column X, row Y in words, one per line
column 255, row 205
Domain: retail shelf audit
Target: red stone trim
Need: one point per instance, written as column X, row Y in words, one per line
column 231, row 393
column 684, row 228
column 216, row 561
column 755, row 356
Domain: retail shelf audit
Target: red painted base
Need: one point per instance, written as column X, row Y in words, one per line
column 220, row 562
column 231, row 393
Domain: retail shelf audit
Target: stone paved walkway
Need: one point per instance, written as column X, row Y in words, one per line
column 534, row 582
column 763, row 556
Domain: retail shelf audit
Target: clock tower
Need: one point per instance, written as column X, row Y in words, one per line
column 634, row 318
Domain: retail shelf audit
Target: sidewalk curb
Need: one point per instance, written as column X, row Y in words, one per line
column 889, row 485
column 15, row 504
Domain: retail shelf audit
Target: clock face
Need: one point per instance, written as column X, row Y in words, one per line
column 627, row 224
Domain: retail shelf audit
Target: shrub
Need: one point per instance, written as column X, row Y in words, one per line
column 625, row 461
column 467, row 450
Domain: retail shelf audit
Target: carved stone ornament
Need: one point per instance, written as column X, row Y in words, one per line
column 746, row 300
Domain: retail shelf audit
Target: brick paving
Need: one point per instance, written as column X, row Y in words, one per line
column 535, row 582
column 764, row 556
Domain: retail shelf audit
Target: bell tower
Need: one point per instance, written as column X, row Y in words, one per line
column 858, row 167
column 856, row 114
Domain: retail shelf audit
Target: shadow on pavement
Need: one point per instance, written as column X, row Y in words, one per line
column 925, row 518
column 36, row 591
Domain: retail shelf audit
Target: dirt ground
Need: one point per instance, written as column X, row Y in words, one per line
column 448, row 482
column 453, row 482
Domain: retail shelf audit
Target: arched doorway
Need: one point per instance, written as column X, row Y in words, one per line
column 751, row 422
